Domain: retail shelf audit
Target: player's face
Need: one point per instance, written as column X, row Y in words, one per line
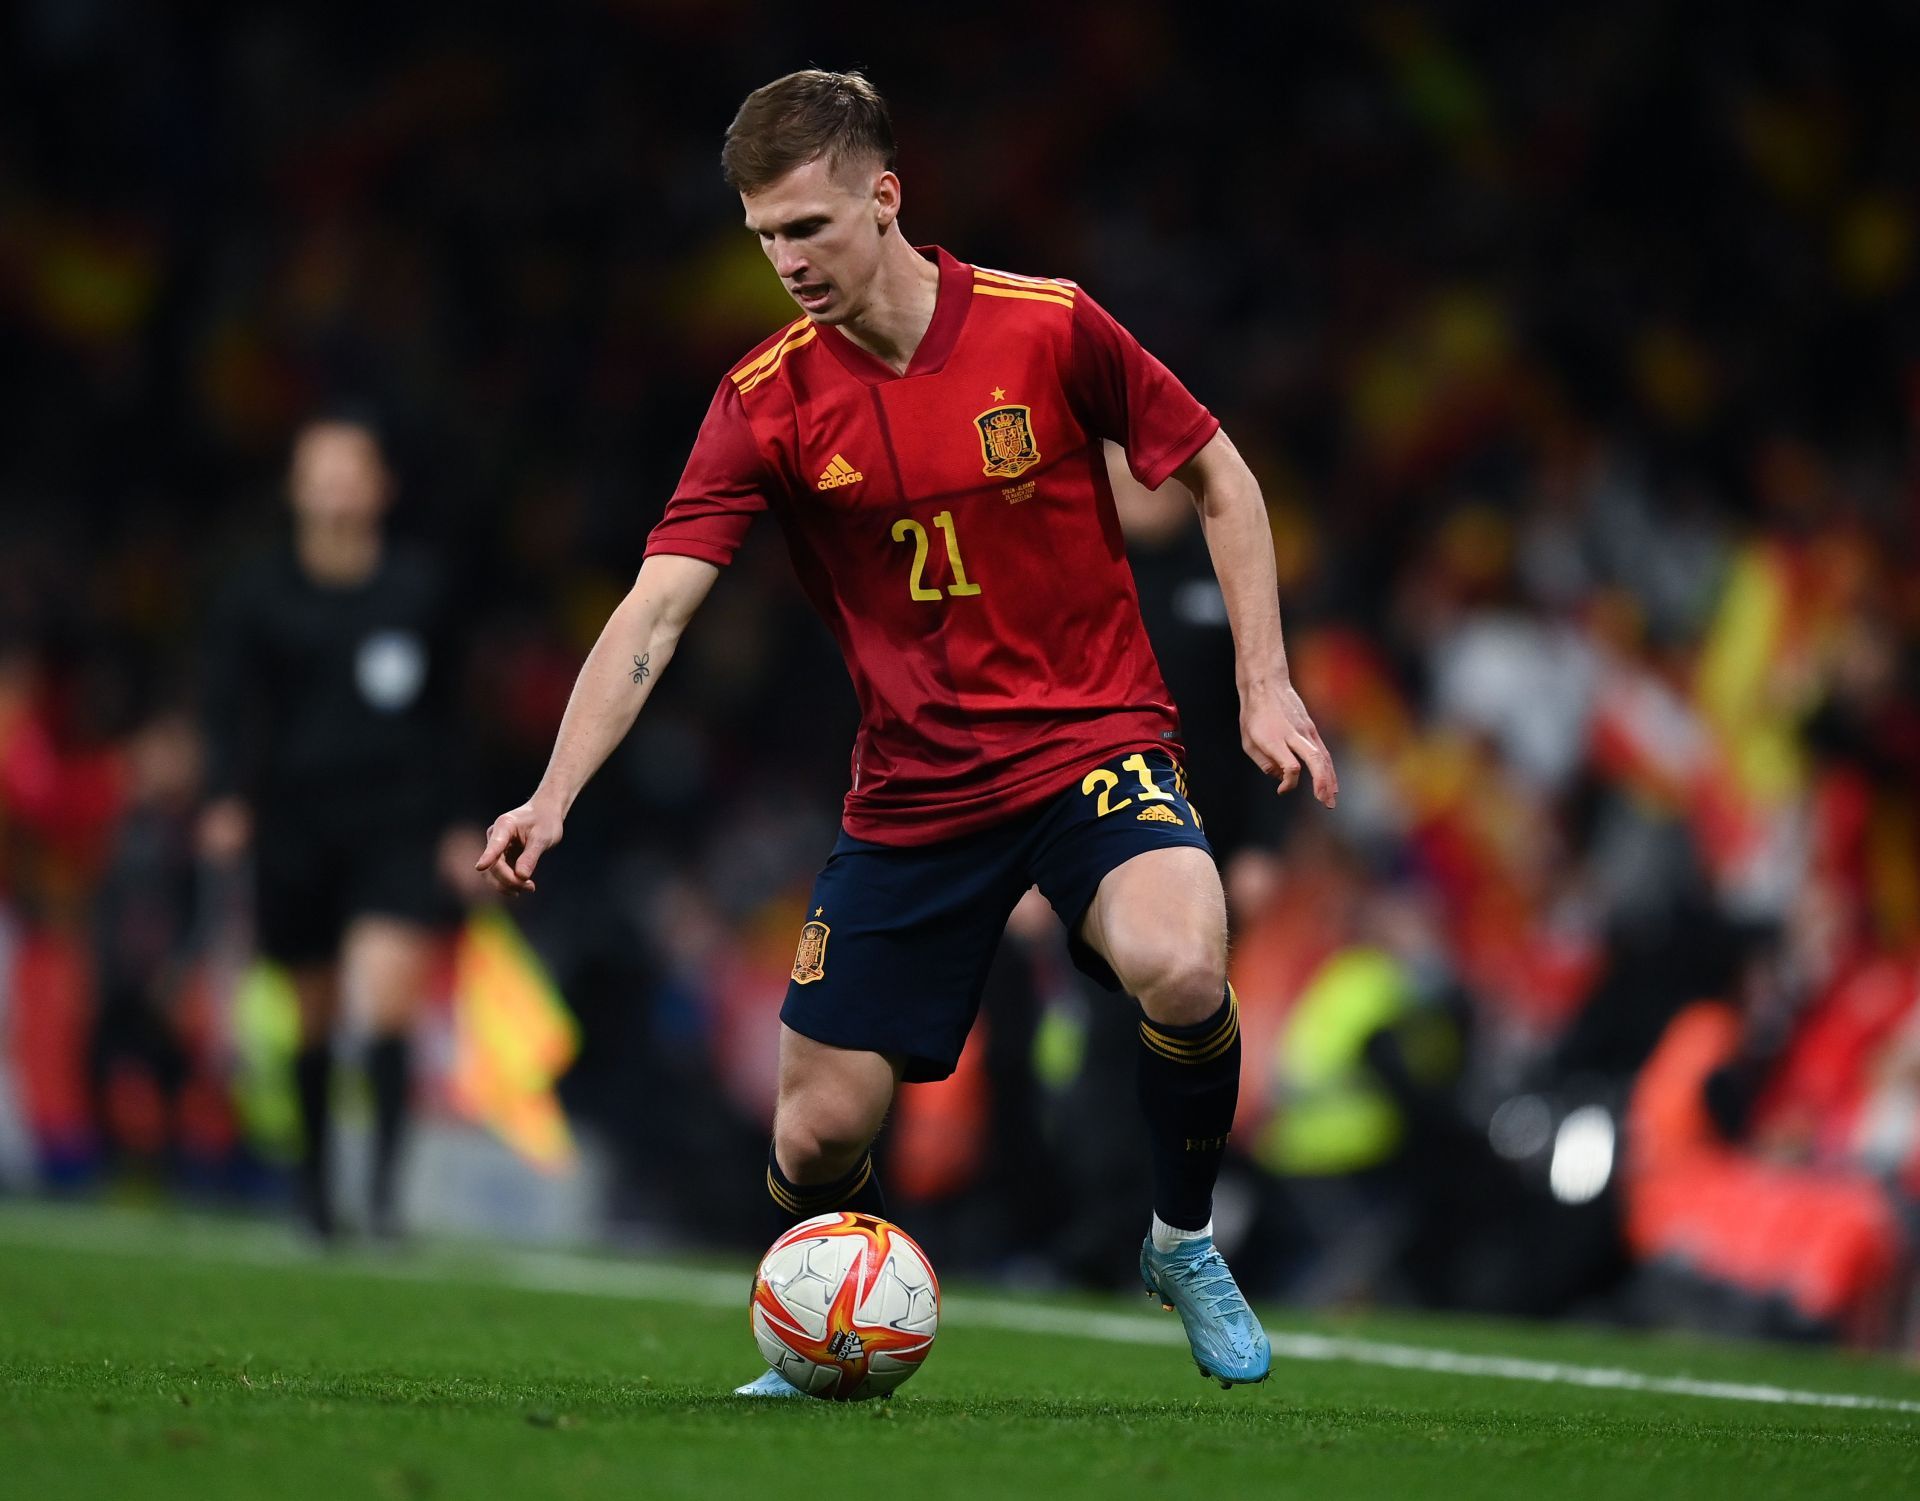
column 338, row 476
column 822, row 230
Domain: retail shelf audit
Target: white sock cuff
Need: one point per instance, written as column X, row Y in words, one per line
column 1166, row 1237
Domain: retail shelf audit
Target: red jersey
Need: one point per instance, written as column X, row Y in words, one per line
column 955, row 529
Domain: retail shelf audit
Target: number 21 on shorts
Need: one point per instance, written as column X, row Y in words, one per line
column 1104, row 780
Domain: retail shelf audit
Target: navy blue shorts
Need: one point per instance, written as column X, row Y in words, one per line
column 897, row 941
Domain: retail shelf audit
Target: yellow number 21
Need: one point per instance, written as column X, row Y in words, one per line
column 1102, row 781
column 916, row 581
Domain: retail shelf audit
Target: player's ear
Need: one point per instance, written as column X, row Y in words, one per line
column 886, row 200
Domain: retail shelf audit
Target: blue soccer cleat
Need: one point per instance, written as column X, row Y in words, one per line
column 1227, row 1341
column 769, row 1383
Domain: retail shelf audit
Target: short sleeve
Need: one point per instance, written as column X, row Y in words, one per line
column 1119, row 391
column 722, row 489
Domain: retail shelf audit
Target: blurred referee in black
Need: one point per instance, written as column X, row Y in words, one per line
column 327, row 718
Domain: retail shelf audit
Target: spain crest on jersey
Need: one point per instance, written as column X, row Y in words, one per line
column 810, row 960
column 1006, row 441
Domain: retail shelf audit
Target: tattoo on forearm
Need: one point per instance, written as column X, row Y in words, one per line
column 641, row 671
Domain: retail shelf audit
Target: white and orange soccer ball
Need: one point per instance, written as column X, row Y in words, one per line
column 845, row 1306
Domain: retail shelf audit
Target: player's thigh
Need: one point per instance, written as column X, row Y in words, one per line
column 1160, row 922
column 896, row 946
column 386, row 963
column 1124, row 861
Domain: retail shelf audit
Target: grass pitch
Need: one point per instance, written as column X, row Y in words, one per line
column 147, row 1358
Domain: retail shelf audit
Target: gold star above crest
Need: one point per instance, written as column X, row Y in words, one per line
column 818, row 910
column 999, row 393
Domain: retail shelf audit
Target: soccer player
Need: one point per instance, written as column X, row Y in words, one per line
column 327, row 678
column 928, row 434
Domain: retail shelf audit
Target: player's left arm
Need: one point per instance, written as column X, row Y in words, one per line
column 1275, row 728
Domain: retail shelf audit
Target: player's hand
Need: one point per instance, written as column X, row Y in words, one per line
column 515, row 843
column 1278, row 733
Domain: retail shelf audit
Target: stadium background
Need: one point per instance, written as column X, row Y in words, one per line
column 1574, row 349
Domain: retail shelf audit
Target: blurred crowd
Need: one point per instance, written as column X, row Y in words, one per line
column 1573, row 345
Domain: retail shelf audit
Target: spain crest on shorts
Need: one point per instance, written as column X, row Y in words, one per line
column 1006, row 441
column 810, row 959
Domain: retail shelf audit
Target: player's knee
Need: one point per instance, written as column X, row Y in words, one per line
column 818, row 1140
column 1180, row 983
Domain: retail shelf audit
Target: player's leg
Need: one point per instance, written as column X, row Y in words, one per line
column 830, row 1105
column 886, row 981
column 298, row 924
column 1160, row 922
column 1127, row 867
column 399, row 911
column 829, row 1109
column 316, row 993
column 387, row 961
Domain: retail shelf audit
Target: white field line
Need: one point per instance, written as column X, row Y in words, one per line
column 553, row 1272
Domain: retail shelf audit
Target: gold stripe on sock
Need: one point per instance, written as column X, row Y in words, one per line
column 1212, row 1053
column 1179, row 1047
column 1200, row 1044
column 1203, row 1049
column 800, row 1202
column 779, row 1195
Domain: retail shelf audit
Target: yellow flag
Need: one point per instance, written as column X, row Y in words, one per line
column 513, row 1038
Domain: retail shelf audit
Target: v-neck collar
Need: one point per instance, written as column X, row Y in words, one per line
column 952, row 302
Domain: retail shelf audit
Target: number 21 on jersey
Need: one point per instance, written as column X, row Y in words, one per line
column 906, row 529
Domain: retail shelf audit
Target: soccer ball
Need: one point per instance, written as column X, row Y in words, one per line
column 845, row 1306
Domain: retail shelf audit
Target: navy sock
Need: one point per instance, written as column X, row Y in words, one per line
column 313, row 1087
column 857, row 1189
column 389, row 1075
column 1189, row 1083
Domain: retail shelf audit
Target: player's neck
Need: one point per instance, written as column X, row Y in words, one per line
column 899, row 306
column 337, row 557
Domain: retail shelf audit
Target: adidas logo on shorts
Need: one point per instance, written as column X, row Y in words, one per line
column 838, row 473
column 1158, row 814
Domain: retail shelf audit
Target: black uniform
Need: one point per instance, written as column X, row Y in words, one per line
column 327, row 711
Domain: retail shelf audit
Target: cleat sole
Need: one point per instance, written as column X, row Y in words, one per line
column 1226, row 1384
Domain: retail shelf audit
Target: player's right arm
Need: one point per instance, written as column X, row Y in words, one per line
column 634, row 648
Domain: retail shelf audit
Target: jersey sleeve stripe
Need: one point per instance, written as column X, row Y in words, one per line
column 773, row 354
column 1008, row 278
column 785, row 349
column 1065, row 302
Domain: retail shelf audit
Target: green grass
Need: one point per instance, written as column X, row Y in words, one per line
column 148, row 1358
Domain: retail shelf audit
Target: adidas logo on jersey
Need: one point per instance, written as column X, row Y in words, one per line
column 839, row 473
column 1158, row 814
